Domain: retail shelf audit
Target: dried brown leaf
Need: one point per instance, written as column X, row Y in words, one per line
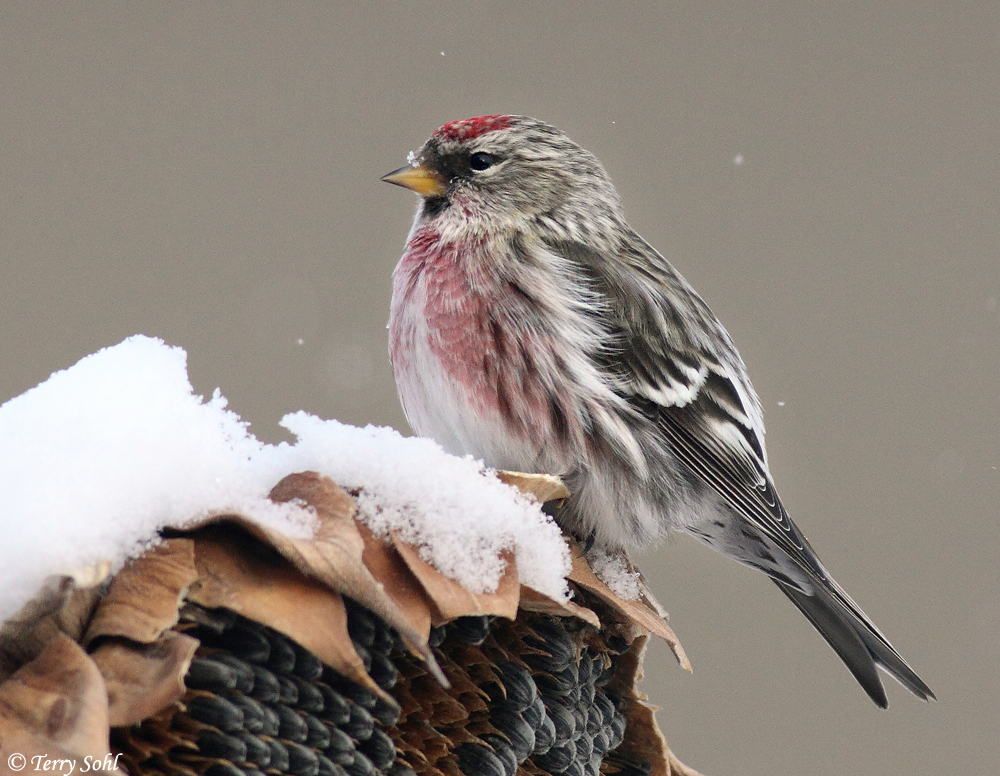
column 335, row 554
column 533, row 601
column 636, row 612
column 643, row 738
column 64, row 604
column 56, row 706
column 144, row 597
column 450, row 599
column 541, row 487
column 143, row 679
column 386, row 565
column 238, row 572
column 677, row 768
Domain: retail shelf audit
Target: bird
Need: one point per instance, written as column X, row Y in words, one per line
column 531, row 327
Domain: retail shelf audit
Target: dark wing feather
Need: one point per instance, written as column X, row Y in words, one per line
column 737, row 478
column 673, row 361
column 664, row 362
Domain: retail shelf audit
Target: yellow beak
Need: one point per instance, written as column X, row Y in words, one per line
column 420, row 179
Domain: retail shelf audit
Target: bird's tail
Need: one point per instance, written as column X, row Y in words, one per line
column 855, row 639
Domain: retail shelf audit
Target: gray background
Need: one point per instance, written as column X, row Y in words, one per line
column 207, row 173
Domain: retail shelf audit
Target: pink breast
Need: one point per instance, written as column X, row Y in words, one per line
column 478, row 329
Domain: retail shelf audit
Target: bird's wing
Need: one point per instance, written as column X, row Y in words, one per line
column 670, row 358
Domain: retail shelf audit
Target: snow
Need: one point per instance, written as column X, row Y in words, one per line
column 614, row 572
column 459, row 515
column 99, row 457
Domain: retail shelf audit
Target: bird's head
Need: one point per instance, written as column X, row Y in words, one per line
column 507, row 170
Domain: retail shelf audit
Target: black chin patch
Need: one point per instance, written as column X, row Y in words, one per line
column 434, row 206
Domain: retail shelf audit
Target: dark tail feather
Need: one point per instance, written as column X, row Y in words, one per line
column 897, row 667
column 857, row 642
column 841, row 635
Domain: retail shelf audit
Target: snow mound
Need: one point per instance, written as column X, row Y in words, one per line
column 101, row 456
column 458, row 514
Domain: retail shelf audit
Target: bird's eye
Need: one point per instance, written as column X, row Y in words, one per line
column 480, row 161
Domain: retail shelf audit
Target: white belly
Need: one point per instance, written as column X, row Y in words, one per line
column 438, row 406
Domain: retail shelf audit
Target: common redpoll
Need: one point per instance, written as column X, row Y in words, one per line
column 533, row 328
